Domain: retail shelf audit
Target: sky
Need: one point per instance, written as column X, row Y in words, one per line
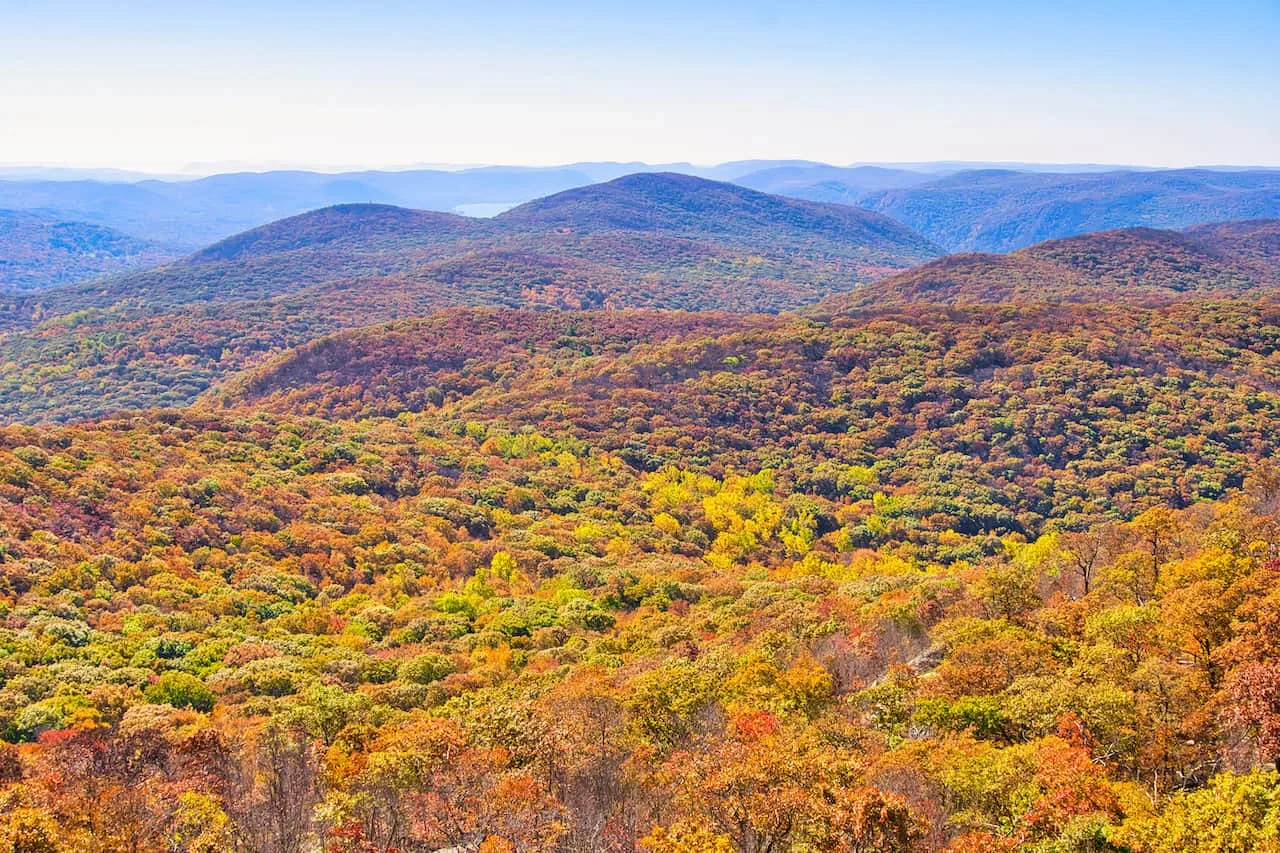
column 172, row 86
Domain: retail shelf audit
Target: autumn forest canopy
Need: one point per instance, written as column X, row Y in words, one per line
column 817, row 510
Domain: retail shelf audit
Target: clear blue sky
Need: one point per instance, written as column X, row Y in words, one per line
column 157, row 85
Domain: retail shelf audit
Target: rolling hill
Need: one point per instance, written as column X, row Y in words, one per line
column 1001, row 210
column 1135, row 265
column 644, row 241
column 817, row 182
column 187, row 214
column 643, row 236
column 681, row 204
column 358, row 228
column 1011, row 410
column 39, row 252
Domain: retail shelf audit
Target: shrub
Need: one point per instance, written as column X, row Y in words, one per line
column 181, row 690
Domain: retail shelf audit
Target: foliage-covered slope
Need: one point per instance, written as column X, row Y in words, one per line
column 675, row 226
column 991, row 419
column 38, row 252
column 1253, row 240
column 412, row 365
column 421, row 632
column 358, row 228
column 1135, row 265
column 999, row 211
column 681, row 204
column 160, row 337
column 909, row 577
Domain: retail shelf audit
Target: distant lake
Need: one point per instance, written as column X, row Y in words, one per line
column 484, row 209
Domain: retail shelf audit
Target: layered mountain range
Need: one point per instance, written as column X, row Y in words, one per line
column 649, row 240
column 165, row 335
column 961, row 206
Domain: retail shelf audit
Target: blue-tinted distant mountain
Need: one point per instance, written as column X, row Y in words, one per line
column 130, row 208
column 816, row 182
column 186, row 214
column 986, row 209
column 1002, row 210
column 193, row 213
column 734, row 171
column 38, row 252
column 950, row 167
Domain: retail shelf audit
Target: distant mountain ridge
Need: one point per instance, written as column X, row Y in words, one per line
column 1135, row 265
column 832, row 183
column 187, row 214
column 963, row 206
column 675, row 227
column 1001, row 211
column 663, row 241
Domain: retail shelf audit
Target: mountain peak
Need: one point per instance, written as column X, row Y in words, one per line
column 682, row 204
column 363, row 223
column 1133, row 265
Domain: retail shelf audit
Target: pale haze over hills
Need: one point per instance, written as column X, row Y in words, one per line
column 954, row 204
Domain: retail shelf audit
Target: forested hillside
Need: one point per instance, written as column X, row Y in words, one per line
column 388, row 530
column 38, row 252
column 984, row 420
column 446, row 629
column 1003, row 210
column 384, row 470
column 1137, row 265
column 675, row 227
column 162, row 336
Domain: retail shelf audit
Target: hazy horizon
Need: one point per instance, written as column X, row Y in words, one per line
column 146, row 87
column 196, row 171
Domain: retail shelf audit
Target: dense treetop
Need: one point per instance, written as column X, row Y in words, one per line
column 433, row 630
